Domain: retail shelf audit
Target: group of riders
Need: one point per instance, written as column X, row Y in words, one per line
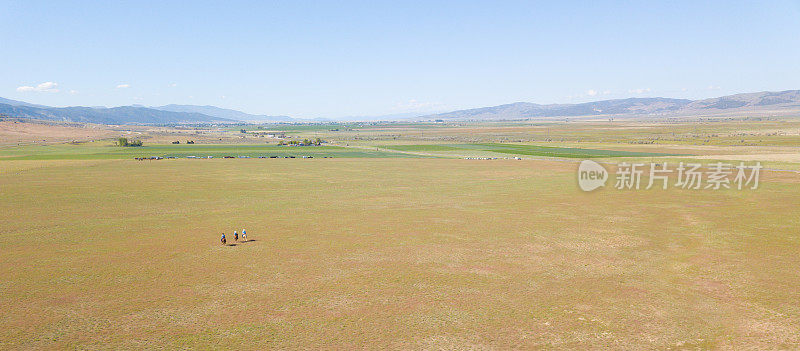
column 223, row 240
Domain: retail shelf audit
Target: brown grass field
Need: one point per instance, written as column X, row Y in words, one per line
column 13, row 132
column 390, row 253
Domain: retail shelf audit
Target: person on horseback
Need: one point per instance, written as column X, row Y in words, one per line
column 235, row 236
column 222, row 239
column 244, row 235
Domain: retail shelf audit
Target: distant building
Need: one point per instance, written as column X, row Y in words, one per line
column 270, row 133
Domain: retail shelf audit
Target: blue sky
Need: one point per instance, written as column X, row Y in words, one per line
column 349, row 58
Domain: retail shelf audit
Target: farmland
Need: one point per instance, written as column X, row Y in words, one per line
column 400, row 175
column 397, row 241
column 106, row 150
column 529, row 150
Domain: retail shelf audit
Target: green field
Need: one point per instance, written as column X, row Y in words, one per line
column 105, row 150
column 406, row 253
column 527, row 150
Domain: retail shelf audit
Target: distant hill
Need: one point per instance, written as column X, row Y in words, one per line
column 789, row 99
column 763, row 102
column 18, row 103
column 102, row 115
column 530, row 110
column 765, row 99
column 135, row 114
column 223, row 113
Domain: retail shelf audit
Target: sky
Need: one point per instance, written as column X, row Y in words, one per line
column 332, row 59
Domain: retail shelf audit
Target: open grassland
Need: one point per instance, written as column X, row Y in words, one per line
column 395, row 242
column 777, row 139
column 526, row 150
column 396, row 253
column 14, row 132
column 768, row 139
column 106, row 150
column 743, row 131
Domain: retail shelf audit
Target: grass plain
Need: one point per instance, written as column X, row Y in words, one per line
column 389, row 250
column 528, row 150
column 106, row 150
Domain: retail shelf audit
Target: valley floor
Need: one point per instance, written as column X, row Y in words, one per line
column 404, row 253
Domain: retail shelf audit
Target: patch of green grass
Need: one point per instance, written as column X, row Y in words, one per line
column 531, row 150
column 105, row 151
column 429, row 147
column 567, row 152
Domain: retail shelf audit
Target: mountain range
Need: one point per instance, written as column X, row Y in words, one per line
column 788, row 100
column 104, row 115
column 135, row 114
column 218, row 112
column 751, row 102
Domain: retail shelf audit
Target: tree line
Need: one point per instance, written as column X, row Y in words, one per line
column 124, row 142
column 305, row 142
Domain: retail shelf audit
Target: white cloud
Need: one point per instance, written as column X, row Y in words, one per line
column 123, row 86
column 173, row 85
column 47, row 87
column 639, row 91
column 73, row 92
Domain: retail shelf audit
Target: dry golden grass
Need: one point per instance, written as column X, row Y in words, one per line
column 388, row 253
column 12, row 133
column 790, row 157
